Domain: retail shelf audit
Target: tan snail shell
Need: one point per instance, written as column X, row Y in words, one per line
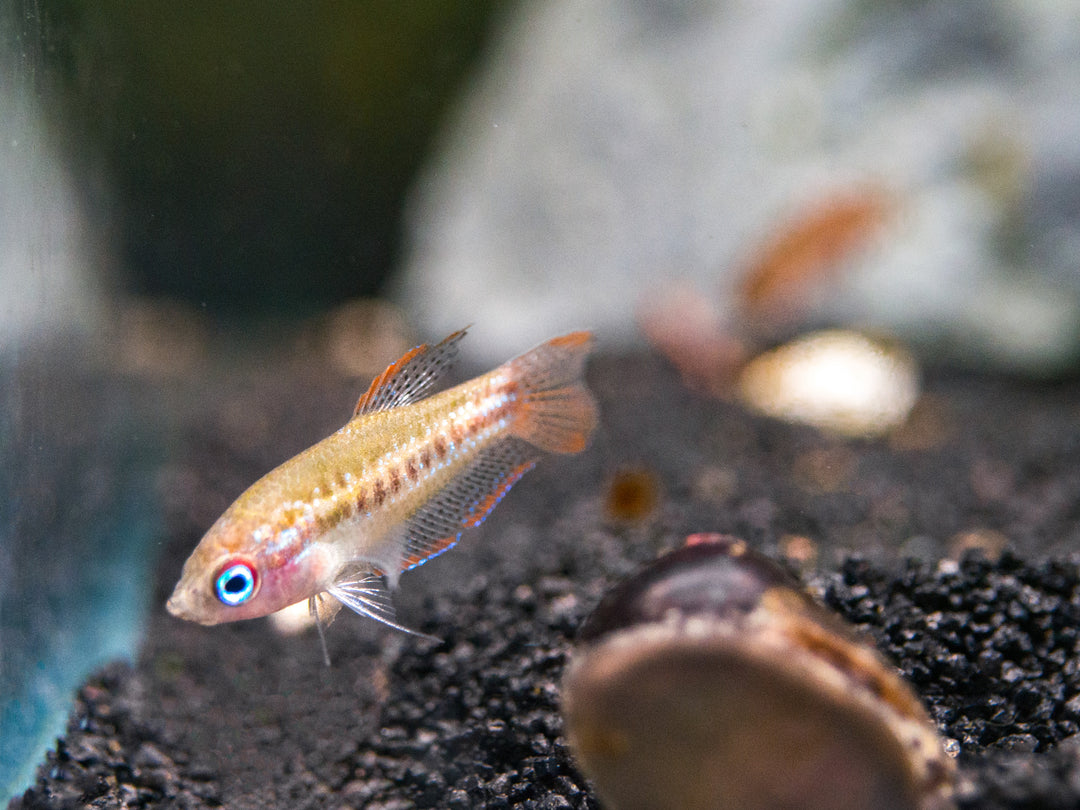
column 836, row 380
column 711, row 680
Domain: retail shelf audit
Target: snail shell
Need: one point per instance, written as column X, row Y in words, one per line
column 711, row 680
column 836, row 380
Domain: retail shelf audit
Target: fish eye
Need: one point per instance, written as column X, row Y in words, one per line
column 235, row 584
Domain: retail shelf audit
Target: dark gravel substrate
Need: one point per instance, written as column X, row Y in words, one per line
column 241, row 717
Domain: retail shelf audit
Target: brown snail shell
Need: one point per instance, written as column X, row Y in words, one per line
column 711, row 680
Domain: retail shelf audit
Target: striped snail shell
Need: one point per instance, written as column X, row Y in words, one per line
column 712, row 680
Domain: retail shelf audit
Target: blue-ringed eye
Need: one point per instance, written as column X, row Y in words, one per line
column 235, row 584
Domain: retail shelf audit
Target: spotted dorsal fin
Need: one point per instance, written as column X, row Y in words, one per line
column 410, row 378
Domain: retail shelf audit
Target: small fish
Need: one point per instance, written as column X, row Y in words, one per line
column 394, row 487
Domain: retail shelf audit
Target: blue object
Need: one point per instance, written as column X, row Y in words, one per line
column 78, row 521
column 236, row 584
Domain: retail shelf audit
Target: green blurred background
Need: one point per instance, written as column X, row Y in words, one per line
column 252, row 157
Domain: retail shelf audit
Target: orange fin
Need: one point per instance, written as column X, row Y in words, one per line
column 430, row 549
column 557, row 413
column 411, row 377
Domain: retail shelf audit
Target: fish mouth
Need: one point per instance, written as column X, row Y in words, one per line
column 177, row 607
column 180, row 606
column 173, row 606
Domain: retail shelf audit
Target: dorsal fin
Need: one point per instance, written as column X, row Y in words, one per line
column 411, row 377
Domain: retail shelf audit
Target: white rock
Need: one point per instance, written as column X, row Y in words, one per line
column 609, row 148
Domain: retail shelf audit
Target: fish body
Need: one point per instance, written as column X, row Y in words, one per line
column 394, row 487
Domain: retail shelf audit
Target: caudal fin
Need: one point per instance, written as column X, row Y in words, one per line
column 557, row 413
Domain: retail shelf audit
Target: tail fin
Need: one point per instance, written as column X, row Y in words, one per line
column 558, row 413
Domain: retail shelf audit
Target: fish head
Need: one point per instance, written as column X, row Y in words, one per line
column 244, row 570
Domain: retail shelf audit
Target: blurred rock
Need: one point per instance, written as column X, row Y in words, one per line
column 615, row 148
column 362, row 336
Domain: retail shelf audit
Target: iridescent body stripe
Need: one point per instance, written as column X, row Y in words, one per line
column 395, row 486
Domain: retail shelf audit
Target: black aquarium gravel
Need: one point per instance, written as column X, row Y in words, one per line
column 239, row 716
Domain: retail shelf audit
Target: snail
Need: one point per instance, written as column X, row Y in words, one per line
column 712, row 680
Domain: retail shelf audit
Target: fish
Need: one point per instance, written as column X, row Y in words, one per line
column 396, row 486
column 811, row 248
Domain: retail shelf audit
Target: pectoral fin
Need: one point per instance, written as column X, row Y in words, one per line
column 366, row 594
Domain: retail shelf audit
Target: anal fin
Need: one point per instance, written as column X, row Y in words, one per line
column 500, row 486
column 466, row 500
